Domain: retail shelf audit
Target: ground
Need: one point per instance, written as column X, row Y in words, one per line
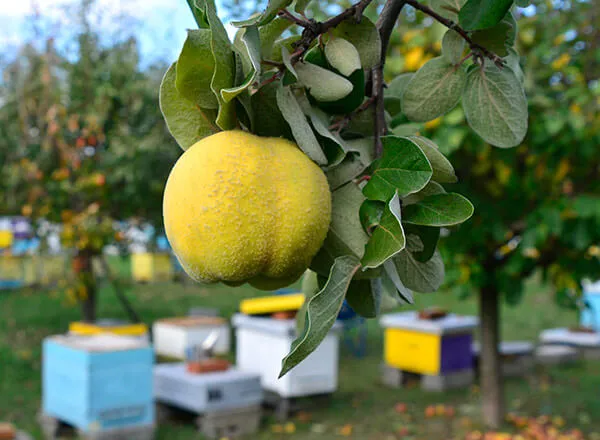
column 362, row 409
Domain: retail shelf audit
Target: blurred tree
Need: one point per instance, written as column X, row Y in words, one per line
column 536, row 207
column 82, row 142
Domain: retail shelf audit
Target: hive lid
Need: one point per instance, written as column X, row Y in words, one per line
column 99, row 343
column 193, row 321
column 269, row 325
column 451, row 323
column 178, row 370
column 568, row 337
column 272, row 304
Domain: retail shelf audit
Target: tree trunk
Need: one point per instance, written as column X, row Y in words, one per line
column 490, row 372
column 82, row 266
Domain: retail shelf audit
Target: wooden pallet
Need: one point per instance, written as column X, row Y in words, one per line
column 284, row 407
column 229, row 423
column 53, row 429
column 396, row 378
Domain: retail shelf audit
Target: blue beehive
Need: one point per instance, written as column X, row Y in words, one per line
column 590, row 315
column 98, row 383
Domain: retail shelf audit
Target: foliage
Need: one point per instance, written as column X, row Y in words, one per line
column 81, row 142
column 388, row 202
column 536, row 207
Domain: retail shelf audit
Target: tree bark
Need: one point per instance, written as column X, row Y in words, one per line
column 490, row 372
column 82, row 266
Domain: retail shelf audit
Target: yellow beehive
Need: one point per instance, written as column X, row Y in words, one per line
column 53, row 268
column 6, row 238
column 147, row 267
column 412, row 351
column 11, row 268
column 272, row 304
column 31, row 273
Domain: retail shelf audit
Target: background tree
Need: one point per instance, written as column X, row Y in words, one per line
column 536, row 206
column 82, row 141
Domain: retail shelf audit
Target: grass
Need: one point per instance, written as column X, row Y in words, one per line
column 361, row 409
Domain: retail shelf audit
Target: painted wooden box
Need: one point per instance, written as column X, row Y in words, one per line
column 173, row 336
column 52, row 268
column 149, row 267
column 590, row 315
column 11, row 272
column 431, row 347
column 203, row 393
column 98, row 383
column 261, row 344
column 110, row 326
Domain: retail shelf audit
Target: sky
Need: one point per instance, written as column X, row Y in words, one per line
column 161, row 24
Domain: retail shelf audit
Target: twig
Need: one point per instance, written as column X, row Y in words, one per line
column 385, row 23
column 313, row 29
column 343, row 122
column 455, row 27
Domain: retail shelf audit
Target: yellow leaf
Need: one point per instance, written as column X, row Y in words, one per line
column 561, row 61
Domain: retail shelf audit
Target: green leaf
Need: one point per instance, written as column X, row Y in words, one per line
column 224, row 73
column 447, row 8
column 268, row 119
column 195, row 67
column 417, row 276
column 370, row 213
column 287, row 61
column 498, row 38
column 432, row 188
column 365, row 37
column 301, row 5
column 429, row 237
column 273, row 7
column 387, row 238
column 199, row 14
column 251, row 41
column 320, row 122
column 364, row 147
column 434, row 90
column 346, row 235
column 453, row 46
column 270, row 33
column 482, row 14
column 398, row 85
column 513, row 62
column 439, row 210
column 342, row 55
column 495, row 105
column 390, row 273
column 347, row 170
column 403, row 168
column 322, row 311
column 186, row 122
column 404, row 130
column 323, row 84
column 303, row 134
column 364, row 296
column 443, row 171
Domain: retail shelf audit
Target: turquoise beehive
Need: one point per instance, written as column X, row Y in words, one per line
column 590, row 315
column 98, row 383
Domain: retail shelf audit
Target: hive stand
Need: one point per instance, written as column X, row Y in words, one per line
column 556, row 355
column 587, row 344
column 517, row 357
column 99, row 386
column 224, row 404
column 436, row 352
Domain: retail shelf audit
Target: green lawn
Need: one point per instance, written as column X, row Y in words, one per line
column 362, row 409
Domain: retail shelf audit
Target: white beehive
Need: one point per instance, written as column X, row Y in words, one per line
column 173, row 336
column 262, row 343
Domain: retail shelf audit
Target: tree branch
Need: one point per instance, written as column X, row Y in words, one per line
column 455, row 27
column 385, row 24
column 313, row 29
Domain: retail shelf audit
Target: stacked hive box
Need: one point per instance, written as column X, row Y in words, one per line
column 173, row 336
column 590, row 315
column 437, row 350
column 100, row 385
column 263, row 341
column 228, row 403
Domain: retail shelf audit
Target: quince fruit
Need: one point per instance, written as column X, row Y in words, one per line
column 241, row 208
